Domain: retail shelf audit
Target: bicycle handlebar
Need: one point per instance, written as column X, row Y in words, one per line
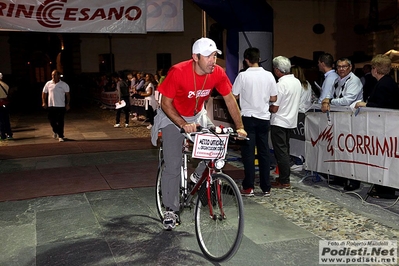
column 215, row 130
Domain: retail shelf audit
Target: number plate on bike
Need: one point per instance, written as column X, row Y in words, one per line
column 210, row 146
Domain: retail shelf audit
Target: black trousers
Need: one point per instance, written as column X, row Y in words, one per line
column 5, row 126
column 56, row 116
column 125, row 111
column 258, row 134
column 281, row 145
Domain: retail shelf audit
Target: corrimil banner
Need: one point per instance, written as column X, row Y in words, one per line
column 95, row 16
column 363, row 147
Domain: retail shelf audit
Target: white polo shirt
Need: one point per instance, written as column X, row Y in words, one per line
column 288, row 98
column 56, row 93
column 254, row 87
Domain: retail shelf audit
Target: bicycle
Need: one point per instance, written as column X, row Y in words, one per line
column 216, row 199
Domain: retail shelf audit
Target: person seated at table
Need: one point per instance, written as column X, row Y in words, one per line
column 347, row 90
column 385, row 94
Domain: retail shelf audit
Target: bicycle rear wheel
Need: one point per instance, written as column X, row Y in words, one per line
column 219, row 236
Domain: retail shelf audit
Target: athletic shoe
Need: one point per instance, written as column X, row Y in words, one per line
column 297, row 167
column 249, row 192
column 266, row 194
column 149, row 126
column 169, row 220
column 126, row 125
column 117, row 125
column 61, row 139
column 277, row 184
column 194, row 177
column 55, row 135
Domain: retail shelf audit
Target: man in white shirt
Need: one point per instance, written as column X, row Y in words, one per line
column 347, row 88
column 255, row 88
column 284, row 117
column 326, row 64
column 56, row 99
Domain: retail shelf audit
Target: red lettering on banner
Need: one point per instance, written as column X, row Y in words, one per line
column 98, row 13
column 51, row 13
column 359, row 146
column 396, row 155
column 70, row 12
column 129, row 10
column 23, row 10
column 327, row 134
column 382, row 148
column 10, row 10
column 346, row 143
column 85, row 14
column 368, row 145
column 3, row 6
column 118, row 15
column 338, row 142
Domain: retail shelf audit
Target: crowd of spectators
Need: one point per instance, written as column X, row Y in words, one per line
column 143, row 97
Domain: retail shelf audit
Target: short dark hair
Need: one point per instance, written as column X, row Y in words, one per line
column 327, row 59
column 252, row 54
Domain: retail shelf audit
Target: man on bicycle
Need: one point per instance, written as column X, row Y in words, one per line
column 186, row 87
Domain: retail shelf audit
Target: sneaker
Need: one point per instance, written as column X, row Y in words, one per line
column 280, row 185
column 249, row 192
column 169, row 220
column 297, row 167
column 117, row 125
column 61, row 139
column 55, row 135
column 126, row 125
column 194, row 177
column 266, row 194
column 149, row 126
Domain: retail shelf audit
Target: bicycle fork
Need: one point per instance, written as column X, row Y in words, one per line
column 217, row 194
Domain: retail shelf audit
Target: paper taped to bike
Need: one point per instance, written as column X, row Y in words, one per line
column 210, row 146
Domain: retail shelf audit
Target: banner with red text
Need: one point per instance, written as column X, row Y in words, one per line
column 363, row 147
column 99, row 16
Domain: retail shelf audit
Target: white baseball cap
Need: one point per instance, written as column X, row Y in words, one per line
column 205, row 47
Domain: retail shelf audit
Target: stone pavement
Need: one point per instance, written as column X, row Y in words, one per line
column 118, row 224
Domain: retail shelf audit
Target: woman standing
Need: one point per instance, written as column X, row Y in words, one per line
column 149, row 94
column 304, row 105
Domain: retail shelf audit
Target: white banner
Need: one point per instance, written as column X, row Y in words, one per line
column 99, row 16
column 363, row 147
column 165, row 15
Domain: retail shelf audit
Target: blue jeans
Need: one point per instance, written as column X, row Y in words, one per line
column 258, row 134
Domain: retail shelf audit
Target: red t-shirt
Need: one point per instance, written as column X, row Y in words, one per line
column 179, row 86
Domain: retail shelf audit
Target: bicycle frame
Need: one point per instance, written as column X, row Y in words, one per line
column 217, row 204
column 207, row 177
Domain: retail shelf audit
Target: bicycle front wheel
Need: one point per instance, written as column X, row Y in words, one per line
column 158, row 191
column 219, row 227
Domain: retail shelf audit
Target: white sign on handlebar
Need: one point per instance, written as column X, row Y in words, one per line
column 210, row 146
